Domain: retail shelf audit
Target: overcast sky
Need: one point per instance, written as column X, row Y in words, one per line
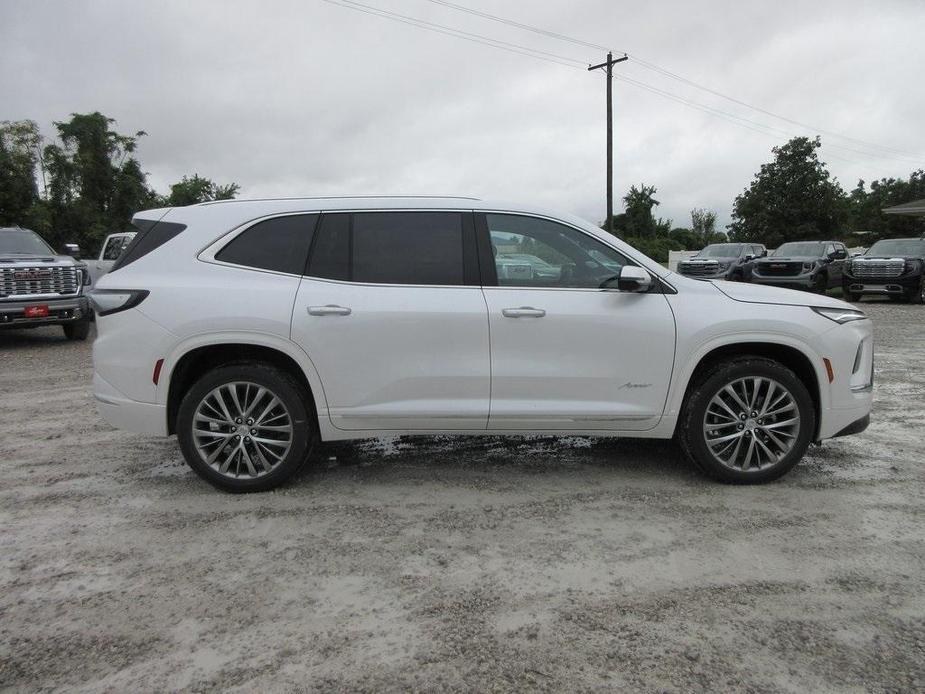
column 309, row 98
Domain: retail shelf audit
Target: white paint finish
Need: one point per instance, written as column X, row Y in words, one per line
column 403, row 358
column 597, row 360
column 416, row 359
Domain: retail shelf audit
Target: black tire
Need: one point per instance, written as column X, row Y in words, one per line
column 297, row 403
column 820, row 284
column 853, row 297
column 918, row 296
column 77, row 330
column 691, row 435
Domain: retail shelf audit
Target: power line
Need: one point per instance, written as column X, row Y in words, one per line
column 916, row 157
column 577, row 64
column 458, row 33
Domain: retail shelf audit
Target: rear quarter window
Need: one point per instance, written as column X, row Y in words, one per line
column 279, row 244
column 151, row 235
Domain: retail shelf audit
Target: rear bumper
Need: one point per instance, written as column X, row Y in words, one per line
column 60, row 312
column 124, row 413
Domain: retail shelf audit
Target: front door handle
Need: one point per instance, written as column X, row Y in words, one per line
column 329, row 310
column 523, row 312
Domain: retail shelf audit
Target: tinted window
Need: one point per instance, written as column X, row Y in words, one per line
column 533, row 252
column 331, row 252
column 408, row 247
column 114, row 247
column 23, row 241
column 150, row 236
column 279, row 244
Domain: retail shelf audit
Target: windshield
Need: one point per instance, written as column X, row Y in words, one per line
column 898, row 247
column 24, row 242
column 721, row 250
column 808, row 249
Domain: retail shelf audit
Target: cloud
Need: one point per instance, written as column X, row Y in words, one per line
column 291, row 98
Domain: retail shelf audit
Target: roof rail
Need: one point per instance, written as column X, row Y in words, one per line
column 342, row 197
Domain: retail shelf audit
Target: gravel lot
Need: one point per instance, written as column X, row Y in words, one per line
column 457, row 563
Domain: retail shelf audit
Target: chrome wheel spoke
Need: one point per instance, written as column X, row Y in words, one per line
column 231, row 440
column 751, row 424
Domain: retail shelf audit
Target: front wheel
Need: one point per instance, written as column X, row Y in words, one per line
column 246, row 427
column 820, row 284
column 917, row 296
column 77, row 330
column 749, row 420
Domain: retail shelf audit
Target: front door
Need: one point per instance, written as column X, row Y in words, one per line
column 392, row 316
column 566, row 354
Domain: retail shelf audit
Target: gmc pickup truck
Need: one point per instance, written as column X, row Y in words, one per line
column 891, row 267
column 39, row 287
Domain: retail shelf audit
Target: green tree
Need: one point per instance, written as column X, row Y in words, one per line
column 19, row 193
column 95, row 183
column 638, row 203
column 792, row 198
column 867, row 207
column 194, row 189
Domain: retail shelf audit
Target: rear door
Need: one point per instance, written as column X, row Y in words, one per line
column 566, row 354
column 837, row 266
column 391, row 313
column 112, row 249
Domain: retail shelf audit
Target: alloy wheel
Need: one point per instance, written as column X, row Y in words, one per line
column 242, row 430
column 751, row 424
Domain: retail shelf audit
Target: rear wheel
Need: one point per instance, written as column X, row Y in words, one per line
column 246, row 428
column 749, row 420
column 77, row 330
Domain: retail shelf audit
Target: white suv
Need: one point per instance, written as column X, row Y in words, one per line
column 255, row 329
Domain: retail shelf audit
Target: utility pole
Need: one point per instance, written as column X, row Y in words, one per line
column 609, row 67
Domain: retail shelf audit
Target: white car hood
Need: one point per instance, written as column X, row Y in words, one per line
column 761, row 294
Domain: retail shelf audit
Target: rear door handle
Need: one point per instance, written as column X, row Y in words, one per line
column 523, row 312
column 329, row 310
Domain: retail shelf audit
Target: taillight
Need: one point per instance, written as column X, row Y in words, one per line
column 108, row 301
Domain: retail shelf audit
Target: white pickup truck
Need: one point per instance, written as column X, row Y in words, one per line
column 111, row 250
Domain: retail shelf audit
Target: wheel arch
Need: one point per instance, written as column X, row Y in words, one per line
column 196, row 356
column 798, row 359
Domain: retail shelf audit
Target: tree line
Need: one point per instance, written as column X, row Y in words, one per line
column 89, row 182
column 85, row 185
column 791, row 198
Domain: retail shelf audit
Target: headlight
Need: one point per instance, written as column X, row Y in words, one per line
column 809, row 266
column 724, row 266
column 84, row 277
column 106, row 301
column 911, row 265
column 840, row 315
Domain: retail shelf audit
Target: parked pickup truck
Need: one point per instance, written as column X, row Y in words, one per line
column 39, row 287
column 891, row 267
column 109, row 253
column 723, row 261
column 812, row 265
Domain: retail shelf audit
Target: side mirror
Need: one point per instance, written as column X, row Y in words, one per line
column 72, row 249
column 749, row 256
column 839, row 255
column 630, row 279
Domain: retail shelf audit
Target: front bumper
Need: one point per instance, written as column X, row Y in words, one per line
column 904, row 284
column 60, row 312
column 802, row 281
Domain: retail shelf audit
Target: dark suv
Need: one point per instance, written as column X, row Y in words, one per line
column 813, row 265
column 891, row 267
column 723, row 261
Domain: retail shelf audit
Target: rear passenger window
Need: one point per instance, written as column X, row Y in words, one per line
column 279, row 244
column 331, row 253
column 408, row 247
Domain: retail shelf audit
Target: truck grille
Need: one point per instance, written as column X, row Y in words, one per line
column 38, row 281
column 698, row 269
column 877, row 269
column 782, row 269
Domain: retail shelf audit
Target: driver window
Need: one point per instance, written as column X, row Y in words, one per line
column 533, row 252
